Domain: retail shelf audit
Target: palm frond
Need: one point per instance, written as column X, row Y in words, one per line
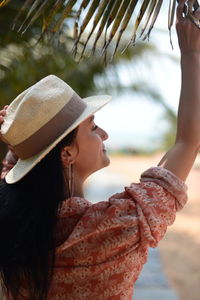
column 49, row 19
column 154, row 17
column 98, row 16
column 4, row 2
column 66, row 12
column 105, row 17
column 83, row 5
column 117, row 21
column 31, row 9
column 112, row 14
column 138, row 21
column 125, row 22
column 25, row 6
column 36, row 15
column 103, row 14
column 148, row 16
column 172, row 7
column 87, row 19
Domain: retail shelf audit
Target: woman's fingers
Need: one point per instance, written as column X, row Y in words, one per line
column 187, row 27
column 186, row 7
column 190, row 4
column 180, row 10
column 185, row 12
column 3, row 113
column 197, row 13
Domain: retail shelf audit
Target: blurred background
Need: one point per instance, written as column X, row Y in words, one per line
column 140, row 120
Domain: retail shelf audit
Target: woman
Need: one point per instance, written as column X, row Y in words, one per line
column 56, row 244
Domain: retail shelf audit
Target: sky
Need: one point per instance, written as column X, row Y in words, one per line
column 135, row 121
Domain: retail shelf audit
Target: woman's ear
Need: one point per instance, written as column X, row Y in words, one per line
column 66, row 157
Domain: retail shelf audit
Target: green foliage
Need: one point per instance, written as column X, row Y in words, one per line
column 23, row 61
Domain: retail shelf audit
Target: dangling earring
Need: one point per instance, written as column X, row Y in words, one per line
column 70, row 181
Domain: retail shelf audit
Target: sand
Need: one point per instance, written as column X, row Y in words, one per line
column 180, row 248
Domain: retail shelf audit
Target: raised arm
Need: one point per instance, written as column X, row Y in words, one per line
column 180, row 158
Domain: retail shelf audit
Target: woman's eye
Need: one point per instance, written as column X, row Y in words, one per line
column 95, row 127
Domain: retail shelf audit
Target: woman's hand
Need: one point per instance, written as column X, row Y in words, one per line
column 10, row 158
column 188, row 33
column 2, row 114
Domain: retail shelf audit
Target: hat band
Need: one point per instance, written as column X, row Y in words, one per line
column 47, row 134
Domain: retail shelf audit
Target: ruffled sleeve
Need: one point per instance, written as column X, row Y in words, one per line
column 131, row 220
column 158, row 196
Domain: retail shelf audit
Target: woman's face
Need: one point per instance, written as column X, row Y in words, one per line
column 91, row 155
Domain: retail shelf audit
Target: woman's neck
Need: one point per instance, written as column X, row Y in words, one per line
column 78, row 182
column 78, row 191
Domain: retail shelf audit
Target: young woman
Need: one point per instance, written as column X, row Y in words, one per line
column 56, row 244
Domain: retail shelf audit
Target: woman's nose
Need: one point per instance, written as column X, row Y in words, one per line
column 103, row 134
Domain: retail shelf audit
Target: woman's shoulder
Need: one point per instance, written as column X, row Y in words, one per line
column 73, row 205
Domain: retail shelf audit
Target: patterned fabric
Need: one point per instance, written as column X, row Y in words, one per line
column 102, row 247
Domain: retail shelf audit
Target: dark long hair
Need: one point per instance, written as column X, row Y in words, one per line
column 28, row 216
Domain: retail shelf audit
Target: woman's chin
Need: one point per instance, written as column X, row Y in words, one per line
column 106, row 162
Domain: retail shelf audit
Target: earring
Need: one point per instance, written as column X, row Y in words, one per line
column 70, row 181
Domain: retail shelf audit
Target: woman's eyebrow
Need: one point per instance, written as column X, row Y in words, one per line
column 91, row 119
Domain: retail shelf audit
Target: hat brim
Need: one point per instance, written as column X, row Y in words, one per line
column 22, row 167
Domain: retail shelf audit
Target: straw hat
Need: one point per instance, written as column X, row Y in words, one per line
column 40, row 117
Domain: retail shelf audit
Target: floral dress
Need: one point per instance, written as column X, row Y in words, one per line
column 102, row 247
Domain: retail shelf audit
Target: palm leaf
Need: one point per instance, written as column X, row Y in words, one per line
column 117, row 21
column 111, row 18
column 113, row 13
column 154, row 17
column 21, row 11
column 105, row 17
column 53, row 11
column 148, row 16
column 138, row 20
column 65, row 14
column 36, row 15
column 125, row 22
column 117, row 13
column 30, row 11
column 172, row 7
column 83, row 5
column 86, row 20
column 4, row 2
column 98, row 16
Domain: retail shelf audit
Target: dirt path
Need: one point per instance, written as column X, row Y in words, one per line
column 180, row 249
